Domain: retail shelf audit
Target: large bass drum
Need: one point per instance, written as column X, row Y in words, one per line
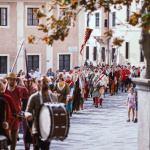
column 53, row 122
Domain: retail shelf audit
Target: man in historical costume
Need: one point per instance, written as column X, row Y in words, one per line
column 34, row 103
column 112, row 81
column 71, row 88
column 82, row 79
column 26, row 134
column 103, row 82
column 100, row 83
column 91, row 78
column 7, row 108
column 86, row 94
column 17, row 93
column 117, row 73
column 62, row 90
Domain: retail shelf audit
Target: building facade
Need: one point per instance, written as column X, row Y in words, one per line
column 130, row 51
column 117, row 20
column 17, row 22
column 96, row 49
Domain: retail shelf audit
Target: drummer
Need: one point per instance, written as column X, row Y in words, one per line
column 42, row 96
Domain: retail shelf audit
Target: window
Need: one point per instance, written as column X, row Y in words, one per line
column 33, row 62
column 127, row 50
column 103, row 54
column 64, row 62
column 3, row 64
column 113, row 53
column 31, row 17
column 95, row 53
column 105, row 23
column 97, row 20
column 3, row 16
column 141, row 56
column 88, row 19
column 113, row 19
column 87, row 52
column 128, row 13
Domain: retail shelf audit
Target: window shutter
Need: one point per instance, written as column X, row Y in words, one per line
column 128, row 13
column 113, row 19
column 127, row 50
column 105, row 23
column 3, row 64
column 87, row 20
column 87, row 52
column 103, row 54
column 113, row 54
column 95, row 53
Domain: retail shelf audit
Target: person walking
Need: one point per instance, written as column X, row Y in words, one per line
column 42, row 96
column 17, row 93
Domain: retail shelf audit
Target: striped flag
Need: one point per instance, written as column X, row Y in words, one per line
column 88, row 32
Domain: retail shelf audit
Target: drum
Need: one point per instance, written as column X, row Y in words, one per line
column 3, row 142
column 53, row 122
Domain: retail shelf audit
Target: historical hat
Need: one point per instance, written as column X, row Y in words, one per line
column 77, row 67
column 68, row 75
column 11, row 75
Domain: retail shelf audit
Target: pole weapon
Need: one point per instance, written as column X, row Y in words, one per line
column 27, row 71
column 17, row 55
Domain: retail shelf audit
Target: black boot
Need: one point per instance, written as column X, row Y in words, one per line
column 135, row 121
column 96, row 105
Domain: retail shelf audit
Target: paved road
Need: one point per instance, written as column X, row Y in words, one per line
column 99, row 128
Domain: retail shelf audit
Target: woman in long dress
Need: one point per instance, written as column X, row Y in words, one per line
column 77, row 92
column 62, row 90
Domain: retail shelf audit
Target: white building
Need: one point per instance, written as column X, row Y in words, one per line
column 130, row 50
column 117, row 20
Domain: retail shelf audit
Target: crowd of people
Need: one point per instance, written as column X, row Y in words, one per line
column 22, row 93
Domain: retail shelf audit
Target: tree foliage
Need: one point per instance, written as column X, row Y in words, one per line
column 56, row 28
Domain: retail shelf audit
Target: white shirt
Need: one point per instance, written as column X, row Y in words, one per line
column 32, row 75
column 37, row 74
column 132, row 73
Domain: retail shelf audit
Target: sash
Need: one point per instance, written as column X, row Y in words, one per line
column 99, row 79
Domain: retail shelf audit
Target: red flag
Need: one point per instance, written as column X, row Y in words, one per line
column 88, row 32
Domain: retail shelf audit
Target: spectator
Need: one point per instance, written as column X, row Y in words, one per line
column 57, row 75
column 124, row 77
column 136, row 73
column 37, row 73
column 64, row 75
column 22, row 74
column 32, row 74
column 50, row 73
column 130, row 104
column 139, row 71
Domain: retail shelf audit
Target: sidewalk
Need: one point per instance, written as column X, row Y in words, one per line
column 99, row 128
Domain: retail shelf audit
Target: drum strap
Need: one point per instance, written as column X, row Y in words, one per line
column 41, row 99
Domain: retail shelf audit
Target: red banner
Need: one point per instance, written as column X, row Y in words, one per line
column 88, row 32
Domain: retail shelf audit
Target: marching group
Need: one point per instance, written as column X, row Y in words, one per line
column 22, row 93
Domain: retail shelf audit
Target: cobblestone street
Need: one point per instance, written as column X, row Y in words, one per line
column 99, row 128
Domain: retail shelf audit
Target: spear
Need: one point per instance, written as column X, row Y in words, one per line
column 17, row 56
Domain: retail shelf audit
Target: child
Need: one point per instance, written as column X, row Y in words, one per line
column 130, row 103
